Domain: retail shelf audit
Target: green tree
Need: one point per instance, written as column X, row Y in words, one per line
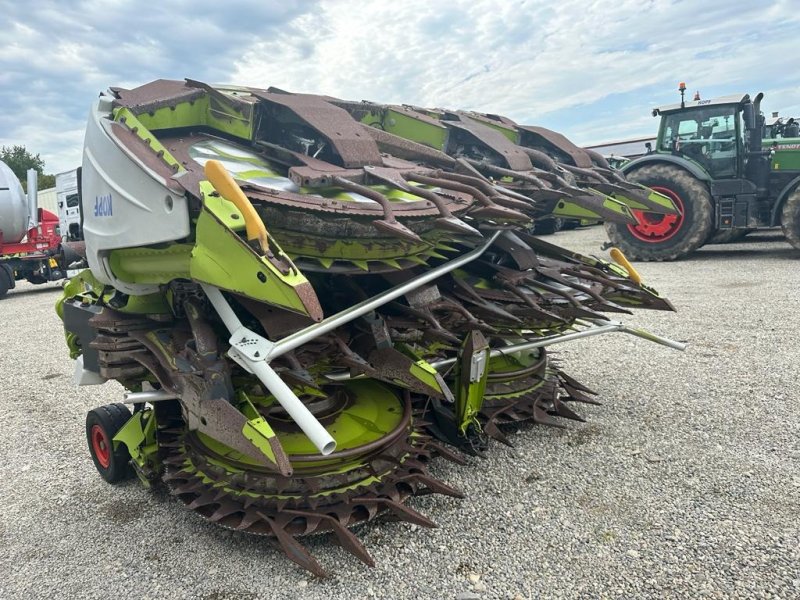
column 20, row 160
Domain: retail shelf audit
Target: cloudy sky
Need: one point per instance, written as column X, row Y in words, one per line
column 591, row 69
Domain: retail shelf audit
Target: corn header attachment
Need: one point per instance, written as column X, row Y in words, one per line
column 308, row 299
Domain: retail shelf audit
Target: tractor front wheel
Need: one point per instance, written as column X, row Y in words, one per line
column 659, row 237
column 790, row 218
column 102, row 424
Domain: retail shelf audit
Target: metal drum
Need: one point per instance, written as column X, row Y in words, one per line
column 13, row 207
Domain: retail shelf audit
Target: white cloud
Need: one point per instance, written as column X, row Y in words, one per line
column 590, row 69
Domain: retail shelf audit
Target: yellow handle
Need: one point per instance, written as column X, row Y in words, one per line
column 230, row 190
column 620, row 259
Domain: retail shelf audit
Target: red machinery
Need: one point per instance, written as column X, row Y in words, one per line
column 30, row 242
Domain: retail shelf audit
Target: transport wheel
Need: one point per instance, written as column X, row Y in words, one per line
column 790, row 218
column 102, row 424
column 666, row 237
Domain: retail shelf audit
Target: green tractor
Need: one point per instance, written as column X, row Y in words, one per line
column 727, row 172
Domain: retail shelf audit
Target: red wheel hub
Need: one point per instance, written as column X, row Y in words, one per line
column 101, row 446
column 654, row 228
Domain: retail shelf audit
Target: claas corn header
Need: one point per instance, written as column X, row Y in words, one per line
column 308, row 299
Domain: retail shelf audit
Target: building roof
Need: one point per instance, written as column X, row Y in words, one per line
column 628, row 148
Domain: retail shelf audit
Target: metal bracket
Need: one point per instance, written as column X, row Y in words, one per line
column 477, row 367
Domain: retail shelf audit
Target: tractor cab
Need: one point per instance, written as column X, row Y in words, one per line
column 710, row 133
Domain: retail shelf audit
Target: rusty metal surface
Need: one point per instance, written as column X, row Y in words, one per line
column 142, row 151
column 355, row 148
column 540, row 134
column 156, row 94
column 304, row 506
column 407, row 149
column 513, row 157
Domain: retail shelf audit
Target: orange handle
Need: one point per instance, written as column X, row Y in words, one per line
column 620, row 259
column 230, row 190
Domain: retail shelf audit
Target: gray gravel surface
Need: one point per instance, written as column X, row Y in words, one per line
column 684, row 484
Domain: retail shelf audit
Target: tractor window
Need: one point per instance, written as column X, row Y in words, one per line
column 72, row 200
column 705, row 135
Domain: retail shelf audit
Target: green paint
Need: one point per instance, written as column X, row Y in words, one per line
column 373, row 412
column 223, row 259
column 202, row 112
column 139, row 435
column 510, row 133
column 151, row 265
column 571, row 210
column 469, row 392
column 124, row 115
column 786, row 155
column 408, row 126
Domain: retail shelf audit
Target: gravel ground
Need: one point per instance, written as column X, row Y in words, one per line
column 683, row 484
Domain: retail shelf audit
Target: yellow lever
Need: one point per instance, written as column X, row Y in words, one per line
column 620, row 259
column 230, row 190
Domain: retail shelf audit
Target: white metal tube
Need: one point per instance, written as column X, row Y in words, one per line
column 261, row 369
column 309, row 333
column 296, row 409
column 537, row 343
column 596, row 328
column 33, row 200
column 222, row 307
column 646, row 335
column 642, row 333
column 148, row 396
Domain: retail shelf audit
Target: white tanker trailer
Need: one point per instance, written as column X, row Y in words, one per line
column 30, row 242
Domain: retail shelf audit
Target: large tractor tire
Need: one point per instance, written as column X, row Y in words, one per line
column 6, row 279
column 666, row 237
column 790, row 218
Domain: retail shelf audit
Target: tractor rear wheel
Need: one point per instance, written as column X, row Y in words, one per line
column 666, row 237
column 790, row 218
column 102, row 424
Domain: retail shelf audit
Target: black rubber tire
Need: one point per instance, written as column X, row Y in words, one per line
column 790, row 218
column 6, row 279
column 109, row 419
column 697, row 223
column 547, row 226
column 727, row 236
